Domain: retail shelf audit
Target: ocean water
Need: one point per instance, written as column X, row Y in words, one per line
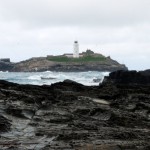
column 49, row 77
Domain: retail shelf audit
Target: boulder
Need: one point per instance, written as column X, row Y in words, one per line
column 6, row 66
column 129, row 77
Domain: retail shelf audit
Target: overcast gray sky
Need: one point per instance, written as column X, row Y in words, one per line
column 119, row 28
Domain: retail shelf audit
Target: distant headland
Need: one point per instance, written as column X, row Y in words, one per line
column 69, row 62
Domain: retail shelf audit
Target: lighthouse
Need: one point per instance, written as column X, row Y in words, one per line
column 76, row 49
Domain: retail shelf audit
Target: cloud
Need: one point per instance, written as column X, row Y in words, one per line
column 120, row 29
column 36, row 13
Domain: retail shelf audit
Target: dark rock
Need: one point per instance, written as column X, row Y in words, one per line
column 97, row 80
column 69, row 115
column 47, row 78
column 4, row 124
column 6, row 66
column 129, row 77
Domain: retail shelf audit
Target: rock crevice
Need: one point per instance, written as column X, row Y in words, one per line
column 69, row 115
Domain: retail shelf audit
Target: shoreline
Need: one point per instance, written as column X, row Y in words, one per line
column 40, row 64
column 69, row 115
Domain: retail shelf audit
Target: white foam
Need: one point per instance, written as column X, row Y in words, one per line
column 35, row 77
column 85, row 78
column 105, row 73
column 48, row 71
column 4, row 71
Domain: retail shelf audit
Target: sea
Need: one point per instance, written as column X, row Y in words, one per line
column 89, row 78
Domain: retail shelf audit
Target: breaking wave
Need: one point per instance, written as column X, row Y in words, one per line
column 49, row 77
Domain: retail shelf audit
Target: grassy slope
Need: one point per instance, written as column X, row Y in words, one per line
column 81, row 59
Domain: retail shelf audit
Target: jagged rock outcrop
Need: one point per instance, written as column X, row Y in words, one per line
column 129, row 77
column 69, row 115
column 6, row 66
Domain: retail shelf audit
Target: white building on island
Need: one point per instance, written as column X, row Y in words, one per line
column 75, row 53
column 76, row 49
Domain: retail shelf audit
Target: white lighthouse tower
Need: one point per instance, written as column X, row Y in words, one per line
column 76, row 49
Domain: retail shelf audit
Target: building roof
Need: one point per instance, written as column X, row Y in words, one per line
column 68, row 54
column 72, row 54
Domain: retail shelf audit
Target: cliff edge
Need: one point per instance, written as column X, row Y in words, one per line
column 88, row 62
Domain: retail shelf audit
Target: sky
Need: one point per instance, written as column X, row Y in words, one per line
column 116, row 28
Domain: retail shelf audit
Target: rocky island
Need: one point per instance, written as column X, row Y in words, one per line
column 88, row 61
column 67, row 115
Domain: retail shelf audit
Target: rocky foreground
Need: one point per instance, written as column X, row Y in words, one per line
column 70, row 116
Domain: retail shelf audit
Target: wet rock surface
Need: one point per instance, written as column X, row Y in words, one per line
column 129, row 77
column 70, row 116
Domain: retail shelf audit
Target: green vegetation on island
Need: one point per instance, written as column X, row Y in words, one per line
column 88, row 56
column 81, row 59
